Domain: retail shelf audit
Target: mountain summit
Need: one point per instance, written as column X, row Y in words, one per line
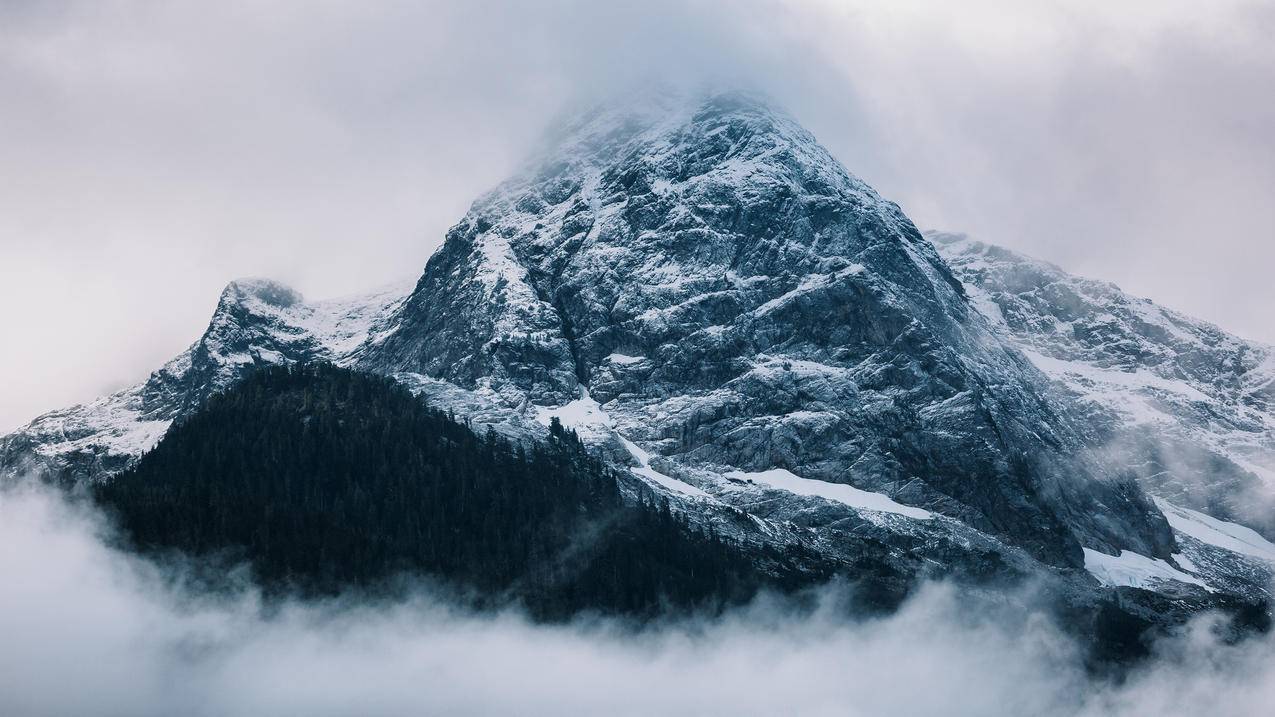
column 738, row 300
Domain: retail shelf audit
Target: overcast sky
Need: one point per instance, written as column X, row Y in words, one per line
column 151, row 151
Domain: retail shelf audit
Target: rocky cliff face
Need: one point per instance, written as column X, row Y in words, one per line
column 255, row 322
column 737, row 299
column 711, row 300
column 1187, row 407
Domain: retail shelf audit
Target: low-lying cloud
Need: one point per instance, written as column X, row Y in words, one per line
column 89, row 630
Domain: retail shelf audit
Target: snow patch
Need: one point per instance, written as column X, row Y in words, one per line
column 114, row 424
column 645, row 470
column 864, row 500
column 1185, row 562
column 1140, row 379
column 1218, row 533
column 343, row 325
column 1133, row 570
column 583, row 415
column 586, row 417
column 1135, row 394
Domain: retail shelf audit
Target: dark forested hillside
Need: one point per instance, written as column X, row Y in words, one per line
column 324, row 479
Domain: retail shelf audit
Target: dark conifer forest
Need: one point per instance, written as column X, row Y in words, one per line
column 324, row 480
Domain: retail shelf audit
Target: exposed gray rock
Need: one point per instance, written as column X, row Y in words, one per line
column 1185, row 405
column 256, row 321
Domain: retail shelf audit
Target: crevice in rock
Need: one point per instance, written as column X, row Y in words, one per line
column 568, row 332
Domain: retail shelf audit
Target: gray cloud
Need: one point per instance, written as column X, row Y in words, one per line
column 149, row 152
column 91, row 631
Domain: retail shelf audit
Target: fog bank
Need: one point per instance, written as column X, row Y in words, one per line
column 91, row 631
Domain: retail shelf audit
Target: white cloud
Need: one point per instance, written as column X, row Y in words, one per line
column 91, row 631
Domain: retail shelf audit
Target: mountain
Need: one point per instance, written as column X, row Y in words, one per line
column 742, row 303
column 256, row 322
column 725, row 315
column 1186, row 406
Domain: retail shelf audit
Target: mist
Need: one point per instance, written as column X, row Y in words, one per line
column 90, row 630
column 151, row 152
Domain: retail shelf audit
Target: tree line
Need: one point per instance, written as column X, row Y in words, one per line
column 323, row 479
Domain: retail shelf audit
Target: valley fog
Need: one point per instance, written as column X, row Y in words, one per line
column 90, row 630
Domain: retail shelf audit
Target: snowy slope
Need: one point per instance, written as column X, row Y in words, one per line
column 256, row 321
column 1186, row 406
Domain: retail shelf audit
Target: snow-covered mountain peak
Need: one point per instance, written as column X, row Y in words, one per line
column 256, row 321
column 666, row 138
column 774, row 312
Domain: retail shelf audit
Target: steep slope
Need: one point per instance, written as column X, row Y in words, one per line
column 739, row 302
column 1185, row 405
column 255, row 322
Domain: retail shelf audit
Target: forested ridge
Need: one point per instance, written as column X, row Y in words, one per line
column 324, row 479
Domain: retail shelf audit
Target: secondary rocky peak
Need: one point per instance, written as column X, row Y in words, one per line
column 1181, row 402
